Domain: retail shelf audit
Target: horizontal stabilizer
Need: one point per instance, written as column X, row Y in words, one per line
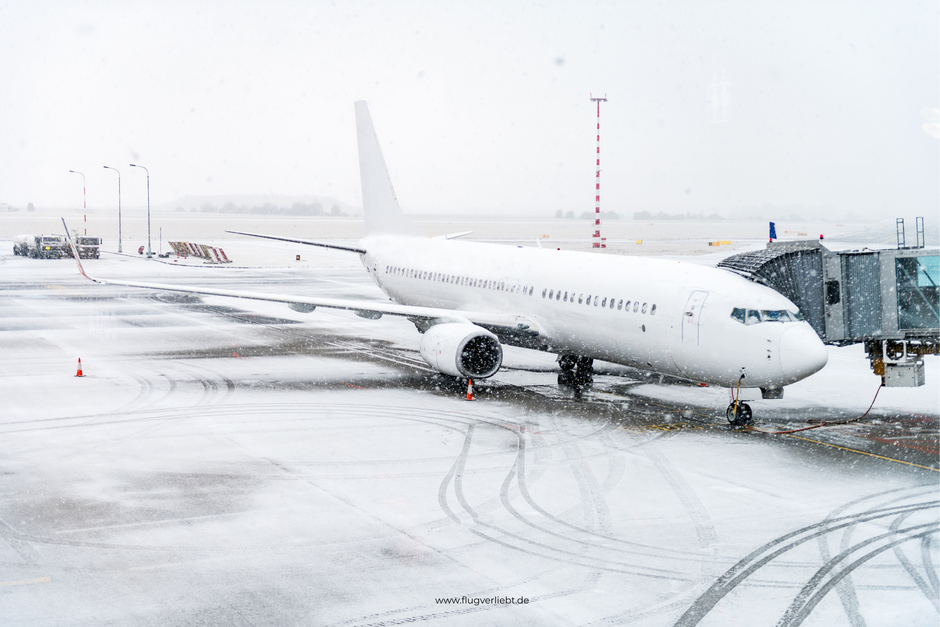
column 352, row 249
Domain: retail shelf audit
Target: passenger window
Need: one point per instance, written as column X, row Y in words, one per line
column 644, row 308
column 753, row 317
column 619, row 304
column 566, row 297
column 627, row 306
column 653, row 310
column 604, row 302
column 580, row 298
column 636, row 305
column 596, row 298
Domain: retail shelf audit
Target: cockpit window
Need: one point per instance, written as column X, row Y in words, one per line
column 753, row 316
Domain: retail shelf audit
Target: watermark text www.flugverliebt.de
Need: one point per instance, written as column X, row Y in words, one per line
column 482, row 601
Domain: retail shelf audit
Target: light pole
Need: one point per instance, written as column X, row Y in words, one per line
column 84, row 198
column 149, row 254
column 120, row 250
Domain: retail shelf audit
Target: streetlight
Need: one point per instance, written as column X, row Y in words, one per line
column 149, row 254
column 84, row 200
column 120, row 250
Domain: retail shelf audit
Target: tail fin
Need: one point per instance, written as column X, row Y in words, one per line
column 380, row 207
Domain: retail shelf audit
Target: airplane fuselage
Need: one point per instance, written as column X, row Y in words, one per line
column 663, row 315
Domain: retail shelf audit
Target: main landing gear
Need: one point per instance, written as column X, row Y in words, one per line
column 576, row 372
column 739, row 414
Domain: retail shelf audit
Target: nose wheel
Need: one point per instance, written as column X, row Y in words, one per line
column 739, row 414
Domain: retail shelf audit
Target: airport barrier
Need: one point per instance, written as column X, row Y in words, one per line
column 201, row 251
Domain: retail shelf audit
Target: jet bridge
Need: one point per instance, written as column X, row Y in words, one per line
column 886, row 299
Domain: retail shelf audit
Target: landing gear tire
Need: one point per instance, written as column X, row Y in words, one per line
column 577, row 372
column 739, row 414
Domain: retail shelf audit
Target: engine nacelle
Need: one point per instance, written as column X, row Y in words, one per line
column 461, row 349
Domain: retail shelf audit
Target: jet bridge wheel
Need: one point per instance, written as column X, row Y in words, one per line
column 740, row 417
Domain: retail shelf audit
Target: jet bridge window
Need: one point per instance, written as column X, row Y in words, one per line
column 918, row 291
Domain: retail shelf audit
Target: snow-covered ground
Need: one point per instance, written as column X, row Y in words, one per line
column 230, row 462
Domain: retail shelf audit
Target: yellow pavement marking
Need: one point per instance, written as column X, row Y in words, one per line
column 852, row 450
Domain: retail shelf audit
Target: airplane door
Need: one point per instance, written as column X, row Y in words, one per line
column 691, row 317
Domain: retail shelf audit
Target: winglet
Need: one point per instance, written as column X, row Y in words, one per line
column 382, row 214
column 78, row 258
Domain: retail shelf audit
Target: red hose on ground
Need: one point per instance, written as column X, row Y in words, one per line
column 824, row 424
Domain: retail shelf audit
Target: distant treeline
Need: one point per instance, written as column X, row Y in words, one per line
column 297, row 209
column 586, row 215
column 646, row 215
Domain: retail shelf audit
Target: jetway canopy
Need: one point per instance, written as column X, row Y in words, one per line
column 852, row 296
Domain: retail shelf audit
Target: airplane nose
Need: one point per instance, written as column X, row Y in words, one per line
column 802, row 353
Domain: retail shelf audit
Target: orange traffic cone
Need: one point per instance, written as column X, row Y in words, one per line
column 79, row 373
column 470, row 389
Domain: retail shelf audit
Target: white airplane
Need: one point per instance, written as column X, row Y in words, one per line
column 467, row 298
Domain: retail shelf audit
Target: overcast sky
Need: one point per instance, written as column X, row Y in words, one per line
column 479, row 106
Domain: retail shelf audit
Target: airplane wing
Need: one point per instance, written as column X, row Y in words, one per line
column 366, row 309
column 308, row 242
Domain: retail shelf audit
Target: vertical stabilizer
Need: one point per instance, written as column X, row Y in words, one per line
column 380, row 207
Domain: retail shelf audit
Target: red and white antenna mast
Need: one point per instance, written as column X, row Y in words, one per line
column 599, row 242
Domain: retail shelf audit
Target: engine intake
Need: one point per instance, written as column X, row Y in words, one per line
column 462, row 350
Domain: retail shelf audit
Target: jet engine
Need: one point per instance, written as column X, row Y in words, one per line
column 461, row 349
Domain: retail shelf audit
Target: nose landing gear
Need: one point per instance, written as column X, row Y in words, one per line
column 739, row 414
